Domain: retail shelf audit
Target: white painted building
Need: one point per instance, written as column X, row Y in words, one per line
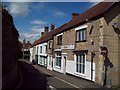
column 31, row 54
column 42, row 54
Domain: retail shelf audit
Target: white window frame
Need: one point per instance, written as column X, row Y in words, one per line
column 75, row 58
column 57, row 56
column 81, row 35
column 50, row 44
column 77, row 34
column 40, row 49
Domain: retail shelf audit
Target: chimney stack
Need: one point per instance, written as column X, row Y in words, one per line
column 74, row 15
column 46, row 30
column 52, row 26
column 42, row 33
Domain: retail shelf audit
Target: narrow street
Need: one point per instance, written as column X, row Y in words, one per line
column 34, row 76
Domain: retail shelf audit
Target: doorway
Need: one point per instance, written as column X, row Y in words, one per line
column 64, row 56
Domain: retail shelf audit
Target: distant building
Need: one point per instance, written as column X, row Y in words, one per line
column 26, row 49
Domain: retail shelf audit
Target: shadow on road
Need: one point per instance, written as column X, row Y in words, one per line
column 31, row 77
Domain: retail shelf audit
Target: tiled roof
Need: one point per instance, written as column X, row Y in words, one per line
column 50, row 34
column 38, row 40
column 26, row 45
column 90, row 14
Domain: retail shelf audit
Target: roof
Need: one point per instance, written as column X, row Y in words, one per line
column 90, row 14
column 38, row 40
column 26, row 45
column 50, row 34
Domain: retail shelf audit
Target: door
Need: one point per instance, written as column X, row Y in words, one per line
column 64, row 63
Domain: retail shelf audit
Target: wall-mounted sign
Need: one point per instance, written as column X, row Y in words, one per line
column 104, row 50
column 68, row 47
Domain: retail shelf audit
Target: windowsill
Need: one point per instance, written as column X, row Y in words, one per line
column 58, row 67
column 80, row 41
column 80, row 74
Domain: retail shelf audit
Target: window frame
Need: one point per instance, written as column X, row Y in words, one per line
column 40, row 49
column 82, row 65
column 50, row 44
column 81, row 35
column 45, row 48
column 59, row 40
column 58, row 58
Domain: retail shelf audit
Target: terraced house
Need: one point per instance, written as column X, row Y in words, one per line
column 88, row 45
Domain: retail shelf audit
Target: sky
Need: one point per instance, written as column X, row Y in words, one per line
column 30, row 18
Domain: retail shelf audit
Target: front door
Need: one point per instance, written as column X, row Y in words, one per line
column 64, row 63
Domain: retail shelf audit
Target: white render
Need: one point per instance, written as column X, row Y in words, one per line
column 31, row 54
column 50, row 61
column 71, row 69
column 61, row 69
column 43, row 53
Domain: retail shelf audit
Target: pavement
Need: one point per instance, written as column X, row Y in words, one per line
column 41, row 77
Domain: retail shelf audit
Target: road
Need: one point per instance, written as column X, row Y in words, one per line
column 34, row 79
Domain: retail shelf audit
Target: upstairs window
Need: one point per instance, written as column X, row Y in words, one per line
column 59, row 40
column 40, row 49
column 81, row 35
column 45, row 48
column 50, row 44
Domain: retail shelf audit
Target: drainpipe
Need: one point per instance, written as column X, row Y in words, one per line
column 91, row 66
column 92, row 54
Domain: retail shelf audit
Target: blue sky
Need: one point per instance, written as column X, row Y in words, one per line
column 31, row 17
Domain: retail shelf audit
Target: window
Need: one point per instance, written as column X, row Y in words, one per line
column 45, row 48
column 81, row 35
column 50, row 60
column 40, row 49
column 58, row 59
column 40, row 60
column 50, row 44
column 80, row 63
column 59, row 40
column 37, row 50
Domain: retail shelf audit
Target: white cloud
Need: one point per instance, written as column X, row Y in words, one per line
column 33, row 34
column 39, row 22
column 19, row 8
column 59, row 13
column 29, row 36
column 95, row 1
column 37, row 29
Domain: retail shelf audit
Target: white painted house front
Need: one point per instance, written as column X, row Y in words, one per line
column 31, row 54
column 42, row 54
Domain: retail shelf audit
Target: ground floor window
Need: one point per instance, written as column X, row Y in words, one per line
column 50, row 60
column 58, row 59
column 43, row 60
column 80, row 63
